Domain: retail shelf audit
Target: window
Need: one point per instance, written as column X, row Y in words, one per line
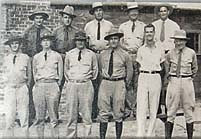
column 195, row 41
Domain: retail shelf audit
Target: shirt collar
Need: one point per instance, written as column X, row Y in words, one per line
column 96, row 21
column 165, row 20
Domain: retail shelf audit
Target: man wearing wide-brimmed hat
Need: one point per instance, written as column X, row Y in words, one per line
column 133, row 30
column 97, row 28
column 64, row 34
column 47, row 73
column 17, row 76
column 165, row 27
column 81, row 67
column 182, row 65
column 35, row 31
column 116, row 71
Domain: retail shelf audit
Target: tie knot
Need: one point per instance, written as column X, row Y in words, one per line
column 45, row 55
column 112, row 51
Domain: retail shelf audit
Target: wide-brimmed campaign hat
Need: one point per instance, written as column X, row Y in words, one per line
column 38, row 11
column 48, row 36
column 180, row 34
column 69, row 10
column 95, row 5
column 80, row 35
column 113, row 32
column 169, row 7
column 132, row 5
column 14, row 36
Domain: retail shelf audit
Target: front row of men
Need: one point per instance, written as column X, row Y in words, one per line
column 115, row 66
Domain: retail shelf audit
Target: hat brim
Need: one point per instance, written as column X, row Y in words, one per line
column 49, row 37
column 45, row 15
column 19, row 39
column 182, row 38
column 91, row 11
column 79, row 39
column 137, row 8
column 62, row 13
column 113, row 34
column 157, row 8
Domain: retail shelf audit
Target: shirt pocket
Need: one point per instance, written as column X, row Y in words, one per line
column 186, row 66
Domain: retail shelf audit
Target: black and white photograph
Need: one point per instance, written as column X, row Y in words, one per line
column 87, row 69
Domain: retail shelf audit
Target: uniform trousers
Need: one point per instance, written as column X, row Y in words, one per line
column 180, row 91
column 79, row 97
column 111, row 99
column 46, row 97
column 17, row 101
column 148, row 94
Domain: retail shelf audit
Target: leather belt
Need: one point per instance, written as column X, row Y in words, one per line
column 150, row 72
column 46, row 80
column 113, row 79
column 181, row 76
column 78, row 81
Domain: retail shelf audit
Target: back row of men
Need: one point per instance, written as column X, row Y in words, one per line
column 119, row 56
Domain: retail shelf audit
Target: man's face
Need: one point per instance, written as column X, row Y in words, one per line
column 114, row 41
column 180, row 43
column 15, row 45
column 46, row 43
column 38, row 20
column 67, row 19
column 164, row 13
column 149, row 33
column 98, row 13
column 80, row 44
column 133, row 14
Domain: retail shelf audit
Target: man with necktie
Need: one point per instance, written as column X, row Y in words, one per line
column 17, row 77
column 81, row 67
column 150, row 58
column 181, row 67
column 47, row 73
column 165, row 28
column 97, row 29
column 133, row 30
column 116, row 71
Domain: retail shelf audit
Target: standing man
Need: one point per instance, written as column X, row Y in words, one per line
column 165, row 28
column 17, row 80
column 182, row 68
column 81, row 67
column 34, row 32
column 65, row 32
column 150, row 58
column 133, row 30
column 47, row 73
column 116, row 71
column 97, row 29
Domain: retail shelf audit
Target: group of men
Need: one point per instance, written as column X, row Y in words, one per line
column 114, row 65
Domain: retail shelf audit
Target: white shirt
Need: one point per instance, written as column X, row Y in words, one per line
column 132, row 39
column 170, row 27
column 91, row 31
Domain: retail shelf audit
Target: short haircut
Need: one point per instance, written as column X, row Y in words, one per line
column 149, row 26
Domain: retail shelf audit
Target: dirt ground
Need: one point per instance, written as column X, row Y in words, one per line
column 129, row 128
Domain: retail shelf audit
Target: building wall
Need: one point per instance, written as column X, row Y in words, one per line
column 15, row 17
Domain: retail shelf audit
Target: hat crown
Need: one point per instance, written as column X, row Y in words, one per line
column 180, row 34
column 97, row 4
column 113, row 31
column 47, row 36
column 69, row 10
column 80, row 35
column 132, row 5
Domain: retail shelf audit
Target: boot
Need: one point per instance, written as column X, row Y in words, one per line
column 119, row 127
column 189, row 127
column 168, row 130
column 103, row 129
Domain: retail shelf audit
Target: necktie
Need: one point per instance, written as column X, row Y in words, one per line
column 98, row 31
column 133, row 27
column 179, row 64
column 38, row 40
column 79, row 56
column 162, row 35
column 45, row 55
column 65, row 34
column 14, row 59
column 110, row 70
